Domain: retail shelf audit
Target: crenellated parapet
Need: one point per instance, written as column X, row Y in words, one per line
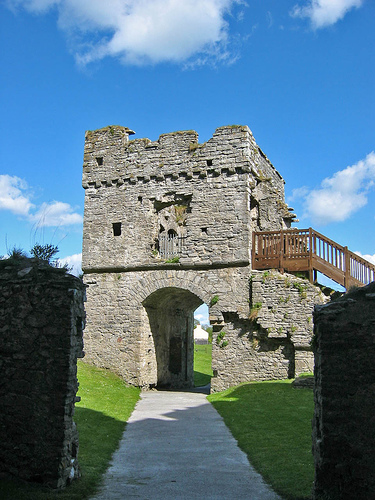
column 111, row 158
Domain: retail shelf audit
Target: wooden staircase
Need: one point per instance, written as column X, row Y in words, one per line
column 306, row 250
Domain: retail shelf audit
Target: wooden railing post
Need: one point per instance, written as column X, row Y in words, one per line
column 347, row 268
column 281, row 252
column 253, row 252
column 311, row 273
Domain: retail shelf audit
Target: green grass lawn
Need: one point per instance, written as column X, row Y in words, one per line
column 101, row 417
column 272, row 424
column 202, row 364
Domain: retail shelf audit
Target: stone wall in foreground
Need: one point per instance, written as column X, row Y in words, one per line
column 41, row 324
column 344, row 419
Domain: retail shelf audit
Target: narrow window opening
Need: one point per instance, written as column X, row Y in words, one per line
column 209, row 163
column 140, row 199
column 116, row 228
column 204, row 230
column 99, row 160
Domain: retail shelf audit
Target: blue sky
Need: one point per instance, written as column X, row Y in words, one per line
column 299, row 73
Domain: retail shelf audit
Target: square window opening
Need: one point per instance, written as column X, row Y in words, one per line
column 99, row 160
column 116, row 228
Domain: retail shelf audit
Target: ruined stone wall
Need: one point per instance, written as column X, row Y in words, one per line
column 344, row 418
column 41, row 323
column 284, row 305
column 273, row 341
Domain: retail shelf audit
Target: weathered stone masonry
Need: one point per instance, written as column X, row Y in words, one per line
column 344, row 418
column 41, row 322
column 167, row 226
column 273, row 342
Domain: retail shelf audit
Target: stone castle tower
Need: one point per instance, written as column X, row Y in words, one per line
column 168, row 226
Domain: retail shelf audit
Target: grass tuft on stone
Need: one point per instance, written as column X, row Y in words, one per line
column 272, row 424
column 101, row 415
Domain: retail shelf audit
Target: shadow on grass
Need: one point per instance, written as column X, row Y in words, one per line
column 272, row 424
column 99, row 437
column 201, row 379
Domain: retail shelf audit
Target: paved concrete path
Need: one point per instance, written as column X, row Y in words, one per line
column 176, row 446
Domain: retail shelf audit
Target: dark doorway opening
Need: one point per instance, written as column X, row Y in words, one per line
column 171, row 315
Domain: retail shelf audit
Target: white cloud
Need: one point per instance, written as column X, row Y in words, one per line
column 11, row 196
column 298, row 193
column 370, row 258
column 56, row 214
column 340, row 195
column 201, row 314
column 324, row 13
column 74, row 262
column 142, row 31
column 270, row 19
column 15, row 196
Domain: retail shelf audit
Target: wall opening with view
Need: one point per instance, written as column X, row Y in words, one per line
column 202, row 347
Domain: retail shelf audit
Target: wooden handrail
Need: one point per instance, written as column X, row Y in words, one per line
column 309, row 251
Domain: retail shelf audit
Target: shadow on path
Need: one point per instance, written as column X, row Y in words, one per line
column 176, row 446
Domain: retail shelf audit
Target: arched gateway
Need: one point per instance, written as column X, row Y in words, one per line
column 171, row 316
column 168, row 226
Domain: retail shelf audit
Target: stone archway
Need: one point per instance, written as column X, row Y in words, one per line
column 170, row 312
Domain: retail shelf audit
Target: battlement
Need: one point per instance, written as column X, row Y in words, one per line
column 111, row 158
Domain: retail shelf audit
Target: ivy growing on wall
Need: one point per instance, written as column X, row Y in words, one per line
column 220, row 340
